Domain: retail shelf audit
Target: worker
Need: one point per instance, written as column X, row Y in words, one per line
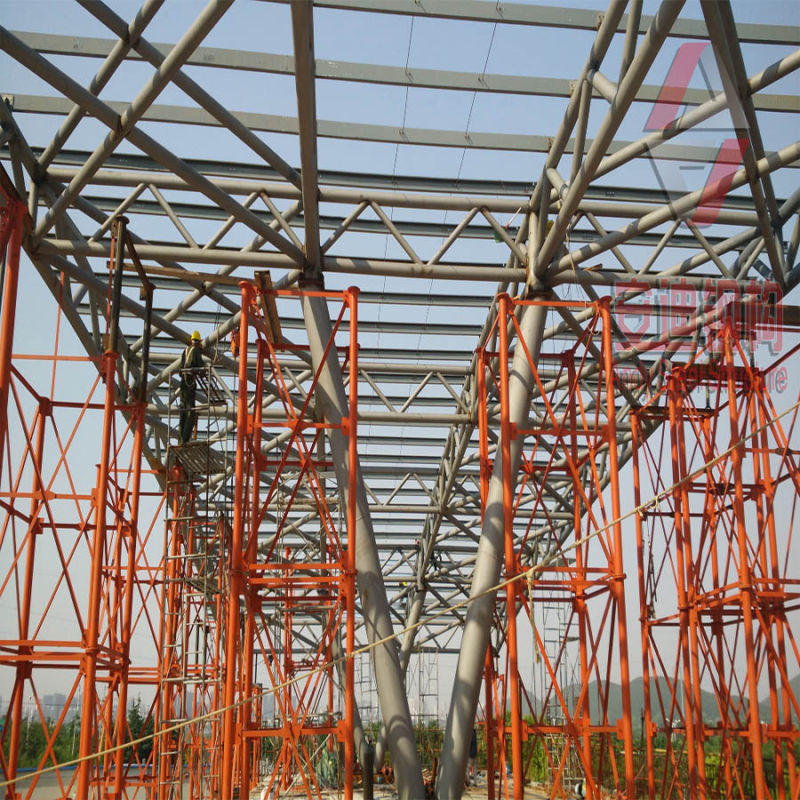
column 191, row 363
column 473, row 755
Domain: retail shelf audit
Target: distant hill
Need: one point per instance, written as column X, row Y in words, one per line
column 763, row 706
column 709, row 703
column 659, row 693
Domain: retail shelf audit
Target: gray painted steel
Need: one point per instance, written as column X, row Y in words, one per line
column 488, row 564
column 332, row 405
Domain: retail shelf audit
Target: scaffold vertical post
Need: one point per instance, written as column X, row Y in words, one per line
column 618, row 581
column 12, row 220
column 350, row 570
column 229, row 739
column 89, row 706
column 745, row 576
column 509, row 485
column 489, row 711
column 131, row 535
column 644, row 608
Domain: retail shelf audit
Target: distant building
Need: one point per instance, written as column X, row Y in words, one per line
column 53, row 705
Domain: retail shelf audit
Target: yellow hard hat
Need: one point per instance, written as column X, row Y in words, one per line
column 196, row 336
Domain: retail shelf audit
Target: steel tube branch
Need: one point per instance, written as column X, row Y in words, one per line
column 154, row 86
column 673, row 210
column 626, row 91
column 117, row 54
column 97, row 108
column 490, row 558
column 156, row 57
column 605, row 34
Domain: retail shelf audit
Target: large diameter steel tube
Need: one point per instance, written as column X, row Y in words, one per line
column 490, row 559
column 331, row 403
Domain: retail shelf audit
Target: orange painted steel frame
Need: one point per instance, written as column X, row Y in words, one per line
column 261, row 580
column 95, row 526
column 188, row 677
column 576, row 436
column 715, row 542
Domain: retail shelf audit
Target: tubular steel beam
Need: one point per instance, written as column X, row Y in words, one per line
column 490, row 558
column 120, row 166
column 272, row 63
column 147, row 144
column 303, row 31
column 363, row 132
column 614, row 201
column 549, row 16
column 332, row 406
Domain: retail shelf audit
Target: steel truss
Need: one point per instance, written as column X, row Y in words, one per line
column 717, row 539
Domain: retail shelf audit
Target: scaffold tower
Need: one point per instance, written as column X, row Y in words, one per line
column 715, row 537
column 196, row 588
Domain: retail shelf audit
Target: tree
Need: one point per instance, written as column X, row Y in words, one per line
column 139, row 726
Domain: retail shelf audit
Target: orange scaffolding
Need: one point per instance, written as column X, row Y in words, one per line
column 191, row 634
column 72, row 550
column 577, row 552
column 717, row 564
column 292, row 568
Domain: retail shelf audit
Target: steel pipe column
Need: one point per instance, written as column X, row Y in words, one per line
column 489, row 561
column 331, row 401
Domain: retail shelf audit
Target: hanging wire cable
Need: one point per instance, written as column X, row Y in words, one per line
column 474, row 97
column 402, row 128
column 458, row 173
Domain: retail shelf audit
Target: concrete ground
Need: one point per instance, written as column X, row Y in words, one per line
column 478, row 791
